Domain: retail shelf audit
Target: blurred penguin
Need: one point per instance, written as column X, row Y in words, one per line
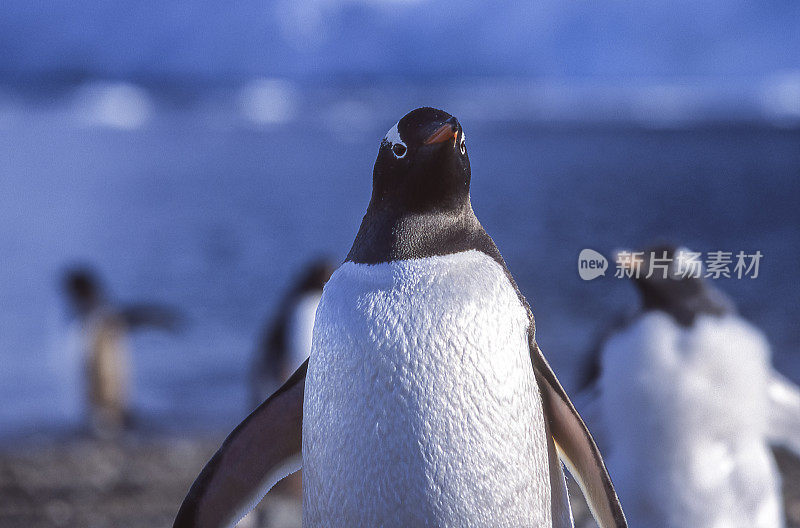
column 104, row 328
column 284, row 346
column 686, row 404
column 286, row 340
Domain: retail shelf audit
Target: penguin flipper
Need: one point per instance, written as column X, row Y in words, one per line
column 158, row 316
column 784, row 412
column 576, row 446
column 560, row 510
column 254, row 457
column 589, row 404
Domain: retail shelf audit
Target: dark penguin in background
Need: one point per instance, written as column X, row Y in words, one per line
column 286, row 341
column 284, row 345
column 426, row 400
column 104, row 328
column 686, row 404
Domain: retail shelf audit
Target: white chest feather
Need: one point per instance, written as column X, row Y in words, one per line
column 685, row 412
column 421, row 407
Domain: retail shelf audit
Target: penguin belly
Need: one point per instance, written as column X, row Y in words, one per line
column 107, row 373
column 686, row 417
column 421, row 407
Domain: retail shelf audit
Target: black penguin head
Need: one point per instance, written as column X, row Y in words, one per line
column 83, row 289
column 420, row 205
column 422, row 164
column 315, row 276
column 678, row 291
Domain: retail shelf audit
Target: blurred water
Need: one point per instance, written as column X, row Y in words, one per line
column 200, row 204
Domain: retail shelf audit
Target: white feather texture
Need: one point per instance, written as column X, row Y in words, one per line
column 686, row 419
column 421, row 407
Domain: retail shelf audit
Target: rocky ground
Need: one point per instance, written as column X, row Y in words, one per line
column 136, row 483
column 790, row 467
column 139, row 483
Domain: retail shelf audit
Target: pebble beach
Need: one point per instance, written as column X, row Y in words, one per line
column 139, row 482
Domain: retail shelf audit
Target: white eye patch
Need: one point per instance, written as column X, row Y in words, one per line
column 393, row 137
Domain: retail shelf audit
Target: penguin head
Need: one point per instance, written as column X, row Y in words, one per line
column 83, row 289
column 315, row 275
column 422, row 164
column 678, row 290
column 662, row 285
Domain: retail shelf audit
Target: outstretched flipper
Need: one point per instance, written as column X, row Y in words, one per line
column 254, row 457
column 152, row 315
column 576, row 446
column 784, row 412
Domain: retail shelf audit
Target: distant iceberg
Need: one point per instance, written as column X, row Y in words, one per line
column 268, row 101
column 112, row 104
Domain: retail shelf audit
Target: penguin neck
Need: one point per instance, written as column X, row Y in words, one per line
column 389, row 233
column 86, row 308
column 685, row 310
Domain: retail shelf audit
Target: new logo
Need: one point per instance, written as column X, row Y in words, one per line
column 591, row 264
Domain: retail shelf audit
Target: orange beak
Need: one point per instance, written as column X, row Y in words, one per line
column 442, row 134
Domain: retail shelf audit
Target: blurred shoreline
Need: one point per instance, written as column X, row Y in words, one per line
column 680, row 104
column 138, row 482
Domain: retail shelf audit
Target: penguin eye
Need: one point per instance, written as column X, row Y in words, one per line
column 463, row 146
column 399, row 150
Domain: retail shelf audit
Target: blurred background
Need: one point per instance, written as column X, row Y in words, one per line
column 197, row 154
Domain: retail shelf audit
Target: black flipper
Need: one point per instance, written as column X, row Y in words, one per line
column 152, row 315
column 254, row 457
column 576, row 446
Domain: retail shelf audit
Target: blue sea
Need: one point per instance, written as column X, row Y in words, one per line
column 211, row 201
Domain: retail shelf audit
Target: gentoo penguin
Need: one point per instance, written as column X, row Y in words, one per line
column 686, row 405
column 104, row 328
column 426, row 400
column 286, row 341
column 284, row 346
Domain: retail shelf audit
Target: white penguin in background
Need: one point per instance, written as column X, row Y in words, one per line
column 686, row 405
column 426, row 400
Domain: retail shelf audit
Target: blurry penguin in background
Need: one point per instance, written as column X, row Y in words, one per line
column 104, row 328
column 286, row 340
column 685, row 405
column 284, row 346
